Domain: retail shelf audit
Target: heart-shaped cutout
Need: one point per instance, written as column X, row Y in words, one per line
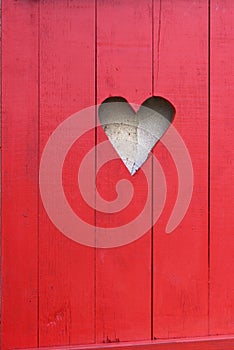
column 134, row 134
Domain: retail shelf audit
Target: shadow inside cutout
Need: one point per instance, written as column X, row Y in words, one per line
column 134, row 134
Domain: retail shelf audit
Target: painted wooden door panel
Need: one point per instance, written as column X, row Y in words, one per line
column 221, row 169
column 19, row 175
column 60, row 57
column 66, row 268
column 181, row 257
column 123, row 274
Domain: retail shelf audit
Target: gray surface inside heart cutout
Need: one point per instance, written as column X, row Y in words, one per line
column 134, row 134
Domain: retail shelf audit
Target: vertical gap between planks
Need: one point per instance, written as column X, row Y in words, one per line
column 152, row 196
column 159, row 36
column 38, row 156
column 152, row 193
column 1, row 179
column 95, row 165
column 209, row 119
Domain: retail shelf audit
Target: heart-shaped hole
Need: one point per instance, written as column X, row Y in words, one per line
column 134, row 134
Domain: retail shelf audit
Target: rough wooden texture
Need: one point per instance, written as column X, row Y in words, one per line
column 19, row 175
column 221, row 168
column 66, row 268
column 123, row 274
column 60, row 57
column 181, row 258
column 208, row 343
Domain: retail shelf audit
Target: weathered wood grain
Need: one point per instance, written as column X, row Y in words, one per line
column 207, row 343
column 123, row 274
column 181, row 257
column 221, row 168
column 19, row 314
column 66, row 268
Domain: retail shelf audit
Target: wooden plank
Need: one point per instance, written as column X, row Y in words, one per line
column 221, row 168
column 123, row 274
column 66, row 271
column 208, row 343
column 19, row 174
column 181, row 258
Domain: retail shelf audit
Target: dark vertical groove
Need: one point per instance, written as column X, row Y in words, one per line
column 152, row 196
column 95, row 165
column 1, row 253
column 159, row 36
column 153, row 47
column 209, row 139
column 38, row 156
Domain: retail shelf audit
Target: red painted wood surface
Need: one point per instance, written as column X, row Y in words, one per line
column 66, row 268
column 222, row 166
column 181, row 258
column 19, row 174
column 60, row 57
column 123, row 274
column 208, row 343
